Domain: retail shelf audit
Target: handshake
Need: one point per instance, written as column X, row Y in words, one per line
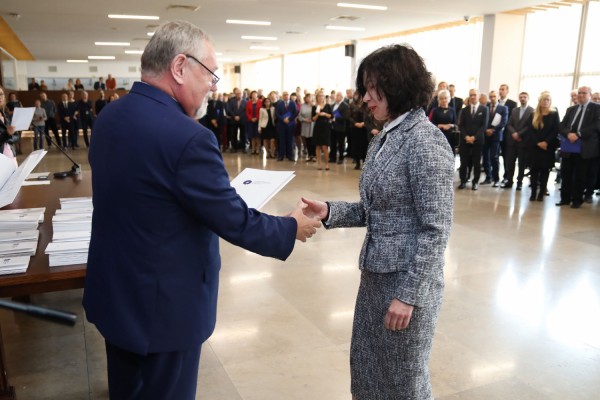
column 308, row 215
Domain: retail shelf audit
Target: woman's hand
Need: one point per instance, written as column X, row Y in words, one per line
column 543, row 145
column 11, row 129
column 315, row 209
column 398, row 315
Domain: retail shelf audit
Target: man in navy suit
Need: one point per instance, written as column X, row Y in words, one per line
column 493, row 137
column 66, row 115
column 153, row 264
column 237, row 121
column 286, row 112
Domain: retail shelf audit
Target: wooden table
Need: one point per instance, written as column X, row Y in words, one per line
column 40, row 278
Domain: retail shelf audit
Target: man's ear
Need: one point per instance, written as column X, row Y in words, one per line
column 177, row 67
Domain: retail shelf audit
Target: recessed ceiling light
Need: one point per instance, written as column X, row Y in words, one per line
column 134, row 51
column 259, row 38
column 121, row 16
column 363, row 6
column 101, row 57
column 244, row 22
column 344, row 28
column 224, row 59
column 111, row 43
column 150, row 33
column 263, row 48
column 77, row 61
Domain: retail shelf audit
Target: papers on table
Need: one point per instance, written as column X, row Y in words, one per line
column 22, row 117
column 11, row 177
column 257, row 186
column 13, row 265
column 21, row 219
column 72, row 226
column 19, row 236
column 17, row 249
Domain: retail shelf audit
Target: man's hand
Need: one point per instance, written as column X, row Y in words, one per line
column 489, row 132
column 572, row 137
column 516, row 137
column 543, row 145
column 398, row 315
column 315, row 209
column 306, row 226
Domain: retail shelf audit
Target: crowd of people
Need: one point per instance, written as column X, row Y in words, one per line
column 327, row 128
column 100, row 84
column 487, row 126
column 317, row 127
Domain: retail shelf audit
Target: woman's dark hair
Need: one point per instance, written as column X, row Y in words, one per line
column 264, row 102
column 399, row 74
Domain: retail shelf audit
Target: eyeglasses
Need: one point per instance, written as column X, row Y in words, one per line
column 215, row 78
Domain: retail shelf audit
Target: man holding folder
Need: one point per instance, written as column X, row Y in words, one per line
column 153, row 265
column 286, row 121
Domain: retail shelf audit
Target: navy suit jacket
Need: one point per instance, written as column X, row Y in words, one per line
column 473, row 125
column 280, row 112
column 162, row 198
column 498, row 134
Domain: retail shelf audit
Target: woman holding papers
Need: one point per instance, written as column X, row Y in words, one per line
column 7, row 132
column 321, row 115
column 541, row 145
column 406, row 202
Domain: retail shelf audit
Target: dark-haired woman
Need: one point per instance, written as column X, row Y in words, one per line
column 266, row 127
column 252, row 113
column 359, row 130
column 321, row 115
column 406, row 202
column 8, row 135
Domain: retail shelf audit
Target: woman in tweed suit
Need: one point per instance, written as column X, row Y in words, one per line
column 406, row 202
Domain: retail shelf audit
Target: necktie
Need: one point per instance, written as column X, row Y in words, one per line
column 492, row 111
column 472, row 111
column 521, row 112
column 577, row 121
column 65, row 104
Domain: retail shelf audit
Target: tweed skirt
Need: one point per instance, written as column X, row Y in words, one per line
column 387, row 365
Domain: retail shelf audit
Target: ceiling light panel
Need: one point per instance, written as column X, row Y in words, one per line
column 362, row 6
column 259, row 37
column 344, row 28
column 122, row 16
column 111, row 43
column 244, row 22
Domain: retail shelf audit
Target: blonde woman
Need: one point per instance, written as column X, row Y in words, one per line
column 321, row 115
column 541, row 145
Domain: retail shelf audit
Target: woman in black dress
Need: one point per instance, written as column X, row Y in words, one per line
column 444, row 117
column 541, row 145
column 8, row 135
column 322, row 115
column 359, row 129
column 266, row 127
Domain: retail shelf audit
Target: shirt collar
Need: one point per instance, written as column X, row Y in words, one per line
column 388, row 126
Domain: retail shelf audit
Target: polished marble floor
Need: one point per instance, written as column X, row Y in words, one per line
column 520, row 319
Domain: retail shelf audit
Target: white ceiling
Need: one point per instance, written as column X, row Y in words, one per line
column 67, row 29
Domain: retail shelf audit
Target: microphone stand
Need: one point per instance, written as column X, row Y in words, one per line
column 63, row 317
column 75, row 169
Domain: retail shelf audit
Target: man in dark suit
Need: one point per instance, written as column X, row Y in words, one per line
column 162, row 198
column 66, row 115
column 341, row 113
column 99, row 84
column 510, row 104
column 237, row 121
column 580, row 138
column 493, row 137
column 455, row 102
column 516, row 133
column 50, row 106
column 472, row 122
column 286, row 112
column 214, row 111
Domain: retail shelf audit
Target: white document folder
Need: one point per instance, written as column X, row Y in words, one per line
column 257, row 186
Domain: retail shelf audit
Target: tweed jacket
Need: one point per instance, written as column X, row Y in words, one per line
column 406, row 204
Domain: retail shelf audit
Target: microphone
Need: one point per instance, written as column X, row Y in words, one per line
column 75, row 169
column 62, row 317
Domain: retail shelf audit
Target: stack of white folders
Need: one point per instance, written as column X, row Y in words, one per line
column 16, row 248
column 23, row 219
column 72, row 225
column 67, row 253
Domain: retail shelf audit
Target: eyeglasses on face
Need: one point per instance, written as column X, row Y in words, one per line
column 215, row 78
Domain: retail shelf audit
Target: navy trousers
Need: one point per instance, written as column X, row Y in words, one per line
column 156, row 376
